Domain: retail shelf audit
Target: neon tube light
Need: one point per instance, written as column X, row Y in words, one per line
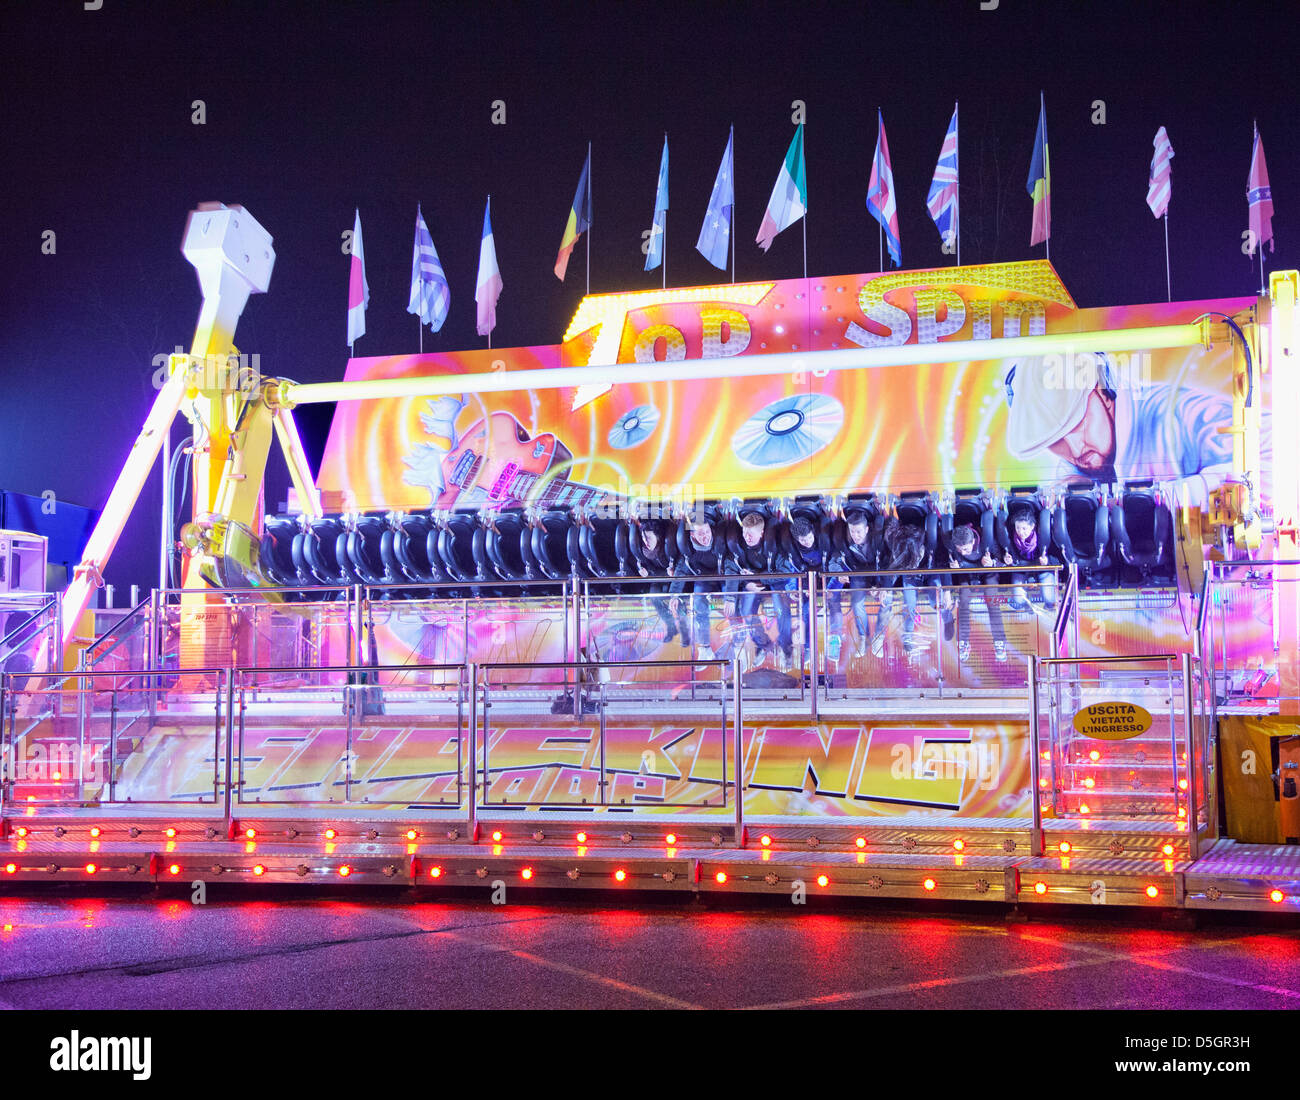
column 742, row 366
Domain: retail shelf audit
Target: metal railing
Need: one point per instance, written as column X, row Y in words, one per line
column 81, row 738
column 1163, row 771
column 604, row 736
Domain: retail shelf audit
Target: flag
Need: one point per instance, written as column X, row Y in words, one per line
column 1158, row 190
column 789, row 201
column 655, row 255
column 942, row 200
column 358, row 288
column 488, row 288
column 715, row 233
column 579, row 219
column 1260, row 197
column 880, row 193
column 1040, row 181
column 430, row 294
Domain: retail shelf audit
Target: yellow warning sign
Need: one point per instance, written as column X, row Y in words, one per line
column 1112, row 721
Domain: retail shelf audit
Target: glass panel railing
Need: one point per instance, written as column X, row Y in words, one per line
column 351, row 737
column 102, row 738
column 597, row 742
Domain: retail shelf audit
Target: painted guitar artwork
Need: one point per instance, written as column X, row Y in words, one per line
column 497, row 464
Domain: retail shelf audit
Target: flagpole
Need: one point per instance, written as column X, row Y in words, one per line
column 731, row 232
column 956, row 157
column 1047, row 176
column 663, row 254
column 1169, row 285
column 881, row 234
column 589, row 217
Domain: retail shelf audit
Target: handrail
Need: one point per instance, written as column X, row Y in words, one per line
column 117, row 625
column 51, row 603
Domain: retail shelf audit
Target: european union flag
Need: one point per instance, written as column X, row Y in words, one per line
column 715, row 234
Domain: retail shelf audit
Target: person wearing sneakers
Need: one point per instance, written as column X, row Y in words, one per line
column 859, row 555
column 809, row 557
column 703, row 558
column 904, row 550
column 653, row 561
column 754, row 557
column 967, row 554
column 1025, row 550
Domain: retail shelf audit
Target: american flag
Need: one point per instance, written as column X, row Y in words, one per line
column 1159, row 189
column 430, row 294
column 1260, row 197
column 942, row 200
column 880, row 194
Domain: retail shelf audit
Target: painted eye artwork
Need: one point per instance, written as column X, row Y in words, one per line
column 788, row 430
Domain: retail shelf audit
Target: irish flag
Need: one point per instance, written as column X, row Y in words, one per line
column 789, row 201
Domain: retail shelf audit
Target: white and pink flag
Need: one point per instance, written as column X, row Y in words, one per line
column 358, row 288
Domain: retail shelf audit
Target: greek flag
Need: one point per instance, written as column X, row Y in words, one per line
column 430, row 294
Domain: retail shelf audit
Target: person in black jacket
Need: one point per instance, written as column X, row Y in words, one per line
column 704, row 558
column 967, row 554
column 808, row 557
column 653, row 561
column 755, row 557
column 859, row 555
column 1025, row 550
column 904, row 550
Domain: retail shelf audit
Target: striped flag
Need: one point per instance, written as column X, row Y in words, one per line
column 1158, row 190
column 1040, row 181
column 488, row 287
column 880, row 193
column 358, row 288
column 1260, row 197
column 942, row 200
column 579, row 219
column 430, row 294
column 715, row 233
column 655, row 254
column 789, row 201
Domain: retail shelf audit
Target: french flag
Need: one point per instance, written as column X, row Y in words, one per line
column 488, row 288
column 358, row 288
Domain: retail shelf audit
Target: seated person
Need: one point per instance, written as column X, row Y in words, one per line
column 1026, row 551
column 754, row 557
column 654, row 562
column 968, row 554
column 703, row 558
column 904, row 550
column 859, row 555
column 808, row 557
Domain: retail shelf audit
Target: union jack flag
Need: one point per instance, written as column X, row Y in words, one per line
column 942, row 200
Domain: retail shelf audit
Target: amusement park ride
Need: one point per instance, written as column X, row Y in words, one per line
column 682, row 603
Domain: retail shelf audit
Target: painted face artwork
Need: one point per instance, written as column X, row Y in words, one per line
column 1090, row 445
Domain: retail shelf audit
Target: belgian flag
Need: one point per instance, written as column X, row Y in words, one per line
column 579, row 219
column 1040, row 181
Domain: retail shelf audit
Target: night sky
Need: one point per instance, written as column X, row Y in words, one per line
column 313, row 109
